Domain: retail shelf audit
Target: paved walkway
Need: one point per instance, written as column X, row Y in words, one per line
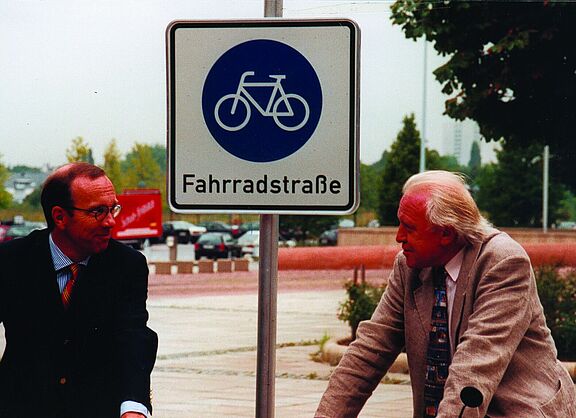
column 206, row 363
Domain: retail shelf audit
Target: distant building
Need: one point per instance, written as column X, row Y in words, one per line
column 458, row 138
column 20, row 185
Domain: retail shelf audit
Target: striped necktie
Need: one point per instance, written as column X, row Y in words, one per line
column 438, row 355
column 67, row 292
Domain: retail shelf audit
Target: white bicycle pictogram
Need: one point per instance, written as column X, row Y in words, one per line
column 244, row 97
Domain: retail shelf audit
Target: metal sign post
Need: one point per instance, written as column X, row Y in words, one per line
column 267, row 294
column 267, row 315
column 263, row 119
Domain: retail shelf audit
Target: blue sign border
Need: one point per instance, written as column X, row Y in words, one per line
column 353, row 190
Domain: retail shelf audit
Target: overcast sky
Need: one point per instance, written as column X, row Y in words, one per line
column 97, row 69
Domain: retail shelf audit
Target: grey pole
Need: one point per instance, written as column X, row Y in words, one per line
column 267, row 293
column 545, row 168
column 267, row 313
column 424, row 85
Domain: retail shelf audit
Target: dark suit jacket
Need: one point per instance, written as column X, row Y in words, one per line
column 501, row 346
column 84, row 361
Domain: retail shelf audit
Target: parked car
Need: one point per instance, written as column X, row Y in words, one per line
column 21, row 230
column 217, row 226
column 329, row 237
column 216, row 245
column 249, row 243
column 183, row 231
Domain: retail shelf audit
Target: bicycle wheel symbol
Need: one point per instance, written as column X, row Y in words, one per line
column 290, row 116
column 233, row 109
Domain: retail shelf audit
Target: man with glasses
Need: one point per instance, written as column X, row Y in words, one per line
column 73, row 304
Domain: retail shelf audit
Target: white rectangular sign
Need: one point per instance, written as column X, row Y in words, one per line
column 263, row 116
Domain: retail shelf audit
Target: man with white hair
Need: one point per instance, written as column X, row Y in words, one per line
column 462, row 301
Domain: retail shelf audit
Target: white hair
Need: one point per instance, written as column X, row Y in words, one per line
column 449, row 203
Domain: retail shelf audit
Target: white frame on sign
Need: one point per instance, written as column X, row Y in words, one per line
column 320, row 178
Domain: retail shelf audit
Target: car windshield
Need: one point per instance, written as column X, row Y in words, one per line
column 180, row 225
column 210, row 239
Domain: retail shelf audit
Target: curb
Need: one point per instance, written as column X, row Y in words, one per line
column 332, row 352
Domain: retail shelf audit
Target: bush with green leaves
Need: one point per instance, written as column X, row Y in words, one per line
column 362, row 299
column 557, row 291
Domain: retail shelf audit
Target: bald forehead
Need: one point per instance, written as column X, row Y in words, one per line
column 415, row 199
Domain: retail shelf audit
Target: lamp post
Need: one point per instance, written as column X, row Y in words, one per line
column 424, row 83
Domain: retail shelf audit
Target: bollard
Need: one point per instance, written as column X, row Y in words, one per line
column 172, row 244
column 163, row 267
column 224, row 266
column 185, row 267
column 241, row 264
column 205, row 266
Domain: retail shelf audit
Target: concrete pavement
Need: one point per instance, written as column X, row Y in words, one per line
column 206, row 364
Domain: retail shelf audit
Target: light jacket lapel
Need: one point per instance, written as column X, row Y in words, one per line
column 423, row 298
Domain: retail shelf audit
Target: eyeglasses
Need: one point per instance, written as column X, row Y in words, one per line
column 101, row 212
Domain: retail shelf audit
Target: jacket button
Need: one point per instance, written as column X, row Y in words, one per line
column 62, row 381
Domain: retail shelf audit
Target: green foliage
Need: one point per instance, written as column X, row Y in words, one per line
column 567, row 209
column 361, row 302
column 79, row 151
column 5, row 197
column 32, row 201
column 511, row 67
column 20, row 169
column 370, row 179
column 558, row 297
column 112, row 165
column 510, row 192
column 475, row 162
column 402, row 162
column 141, row 169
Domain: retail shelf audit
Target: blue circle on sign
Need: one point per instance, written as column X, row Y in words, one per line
column 262, row 100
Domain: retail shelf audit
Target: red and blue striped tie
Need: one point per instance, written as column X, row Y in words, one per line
column 67, row 292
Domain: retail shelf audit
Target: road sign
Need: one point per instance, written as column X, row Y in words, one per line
column 263, row 116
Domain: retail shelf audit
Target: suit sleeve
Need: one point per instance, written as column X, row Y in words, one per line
column 378, row 343
column 502, row 313
column 136, row 343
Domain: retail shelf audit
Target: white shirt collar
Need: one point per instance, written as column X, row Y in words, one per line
column 453, row 266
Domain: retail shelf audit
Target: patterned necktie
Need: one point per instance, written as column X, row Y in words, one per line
column 438, row 356
column 67, row 292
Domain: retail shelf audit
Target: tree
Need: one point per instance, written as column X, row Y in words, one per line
column 402, row 162
column 79, row 151
column 475, row 161
column 112, row 165
column 5, row 197
column 370, row 178
column 510, row 192
column 142, row 169
column 511, row 67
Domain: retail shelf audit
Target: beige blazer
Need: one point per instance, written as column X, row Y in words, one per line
column 501, row 346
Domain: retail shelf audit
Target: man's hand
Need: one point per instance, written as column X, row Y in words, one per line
column 133, row 415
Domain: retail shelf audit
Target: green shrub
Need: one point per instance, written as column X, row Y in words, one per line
column 557, row 293
column 360, row 303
